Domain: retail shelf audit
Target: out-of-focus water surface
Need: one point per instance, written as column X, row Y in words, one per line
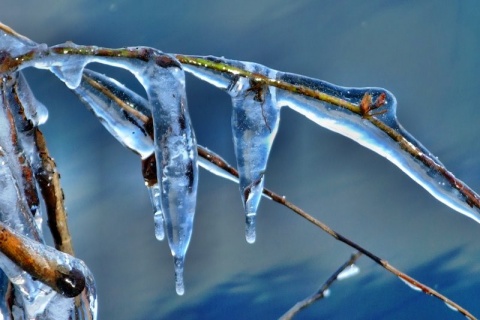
column 426, row 53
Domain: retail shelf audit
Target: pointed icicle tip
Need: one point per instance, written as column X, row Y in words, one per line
column 250, row 233
column 179, row 286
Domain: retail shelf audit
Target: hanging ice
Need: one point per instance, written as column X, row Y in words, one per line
column 126, row 115
column 176, row 155
column 121, row 111
column 175, row 145
column 255, row 120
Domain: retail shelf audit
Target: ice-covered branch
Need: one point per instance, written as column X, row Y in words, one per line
column 159, row 130
column 218, row 166
column 366, row 115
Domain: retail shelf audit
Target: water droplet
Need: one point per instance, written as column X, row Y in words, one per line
column 410, row 285
column 348, row 272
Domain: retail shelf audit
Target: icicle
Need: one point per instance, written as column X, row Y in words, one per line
column 176, row 156
column 122, row 112
column 175, row 146
column 255, row 121
column 355, row 126
column 69, row 68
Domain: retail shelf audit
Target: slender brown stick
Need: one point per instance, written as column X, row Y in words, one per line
column 320, row 293
column 24, row 253
column 216, row 160
column 49, row 180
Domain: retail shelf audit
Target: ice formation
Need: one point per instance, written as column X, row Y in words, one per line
column 379, row 130
column 255, row 121
column 174, row 139
column 43, row 279
column 159, row 130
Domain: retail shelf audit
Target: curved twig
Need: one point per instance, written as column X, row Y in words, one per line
column 218, row 161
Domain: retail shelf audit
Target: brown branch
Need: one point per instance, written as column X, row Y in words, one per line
column 218, row 161
column 49, row 180
column 24, row 252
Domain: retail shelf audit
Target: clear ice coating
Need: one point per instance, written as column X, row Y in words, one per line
column 357, row 128
column 17, row 189
column 34, row 110
column 174, row 140
column 14, row 43
column 119, row 109
column 176, row 156
column 209, row 166
column 67, row 275
column 354, row 126
column 155, row 197
column 255, row 121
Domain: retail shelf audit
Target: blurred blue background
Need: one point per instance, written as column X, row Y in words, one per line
column 425, row 52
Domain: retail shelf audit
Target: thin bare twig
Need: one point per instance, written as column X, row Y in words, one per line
column 218, row 161
column 320, row 293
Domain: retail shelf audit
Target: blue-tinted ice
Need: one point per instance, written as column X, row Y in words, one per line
column 358, row 127
column 363, row 131
column 255, row 120
column 117, row 111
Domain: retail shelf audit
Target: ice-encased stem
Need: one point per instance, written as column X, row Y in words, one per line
column 340, row 109
column 122, row 112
